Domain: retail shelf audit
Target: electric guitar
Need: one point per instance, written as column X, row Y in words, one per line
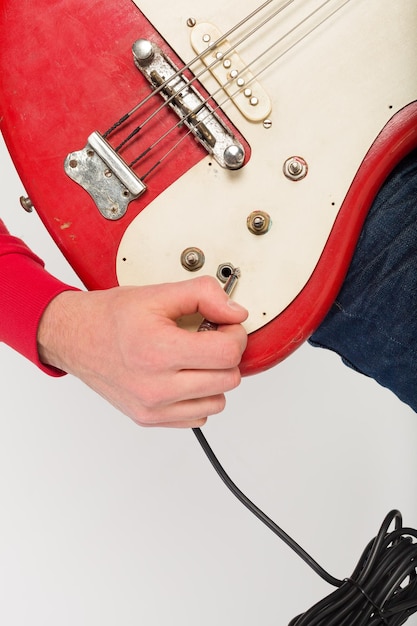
column 171, row 139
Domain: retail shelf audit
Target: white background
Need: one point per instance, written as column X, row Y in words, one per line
column 105, row 523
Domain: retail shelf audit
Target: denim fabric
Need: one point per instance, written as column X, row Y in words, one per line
column 372, row 324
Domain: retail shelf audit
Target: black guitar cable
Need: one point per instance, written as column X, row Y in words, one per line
column 381, row 591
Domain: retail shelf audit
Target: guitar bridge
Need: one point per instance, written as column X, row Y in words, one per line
column 189, row 105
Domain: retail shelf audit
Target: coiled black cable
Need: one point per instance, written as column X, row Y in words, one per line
column 381, row 591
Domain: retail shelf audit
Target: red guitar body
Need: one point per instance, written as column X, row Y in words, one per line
column 66, row 70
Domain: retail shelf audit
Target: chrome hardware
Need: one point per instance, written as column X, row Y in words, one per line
column 190, row 106
column 26, row 203
column 234, row 157
column 295, row 168
column 105, row 176
column 192, row 259
column 231, row 283
column 224, row 271
column 259, row 222
column 143, row 51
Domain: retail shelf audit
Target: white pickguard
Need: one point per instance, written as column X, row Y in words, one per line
column 331, row 95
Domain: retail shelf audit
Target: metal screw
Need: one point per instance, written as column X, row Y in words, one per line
column 143, row 51
column 259, row 222
column 295, row 168
column 26, row 203
column 191, row 22
column 192, row 259
column 267, row 124
column 234, row 157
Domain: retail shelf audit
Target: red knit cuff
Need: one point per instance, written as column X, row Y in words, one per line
column 26, row 289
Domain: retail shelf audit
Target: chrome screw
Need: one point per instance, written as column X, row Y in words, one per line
column 192, row 259
column 26, row 203
column 143, row 51
column 234, row 157
column 295, row 168
column 259, row 222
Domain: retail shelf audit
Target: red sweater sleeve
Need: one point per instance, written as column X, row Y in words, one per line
column 26, row 289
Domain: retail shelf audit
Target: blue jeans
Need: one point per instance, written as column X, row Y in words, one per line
column 372, row 324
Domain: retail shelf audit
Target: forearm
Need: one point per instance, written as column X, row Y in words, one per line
column 26, row 289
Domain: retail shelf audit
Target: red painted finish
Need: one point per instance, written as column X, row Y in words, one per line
column 46, row 111
column 288, row 331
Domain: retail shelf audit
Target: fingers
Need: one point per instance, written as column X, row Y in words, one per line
column 205, row 295
column 203, row 366
column 189, row 385
column 152, row 410
column 219, row 350
column 186, row 397
column 190, row 424
column 184, row 400
column 186, row 414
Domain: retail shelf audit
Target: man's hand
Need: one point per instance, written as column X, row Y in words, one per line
column 125, row 344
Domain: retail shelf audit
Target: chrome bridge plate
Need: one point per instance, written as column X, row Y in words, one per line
column 105, row 176
column 191, row 107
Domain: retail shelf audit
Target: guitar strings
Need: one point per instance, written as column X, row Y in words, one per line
column 221, row 88
column 206, row 69
column 213, row 45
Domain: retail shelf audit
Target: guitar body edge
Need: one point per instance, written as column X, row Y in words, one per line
column 298, row 322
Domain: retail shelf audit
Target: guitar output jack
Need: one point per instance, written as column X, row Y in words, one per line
column 224, row 271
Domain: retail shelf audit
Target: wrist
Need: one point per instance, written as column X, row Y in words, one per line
column 54, row 336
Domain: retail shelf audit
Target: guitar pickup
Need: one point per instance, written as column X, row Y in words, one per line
column 230, row 71
column 192, row 109
column 105, row 176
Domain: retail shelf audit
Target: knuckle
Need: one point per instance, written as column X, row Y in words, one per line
column 151, row 416
column 207, row 281
column 208, row 285
column 144, row 422
column 231, row 353
column 150, row 398
column 144, row 417
column 234, row 378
